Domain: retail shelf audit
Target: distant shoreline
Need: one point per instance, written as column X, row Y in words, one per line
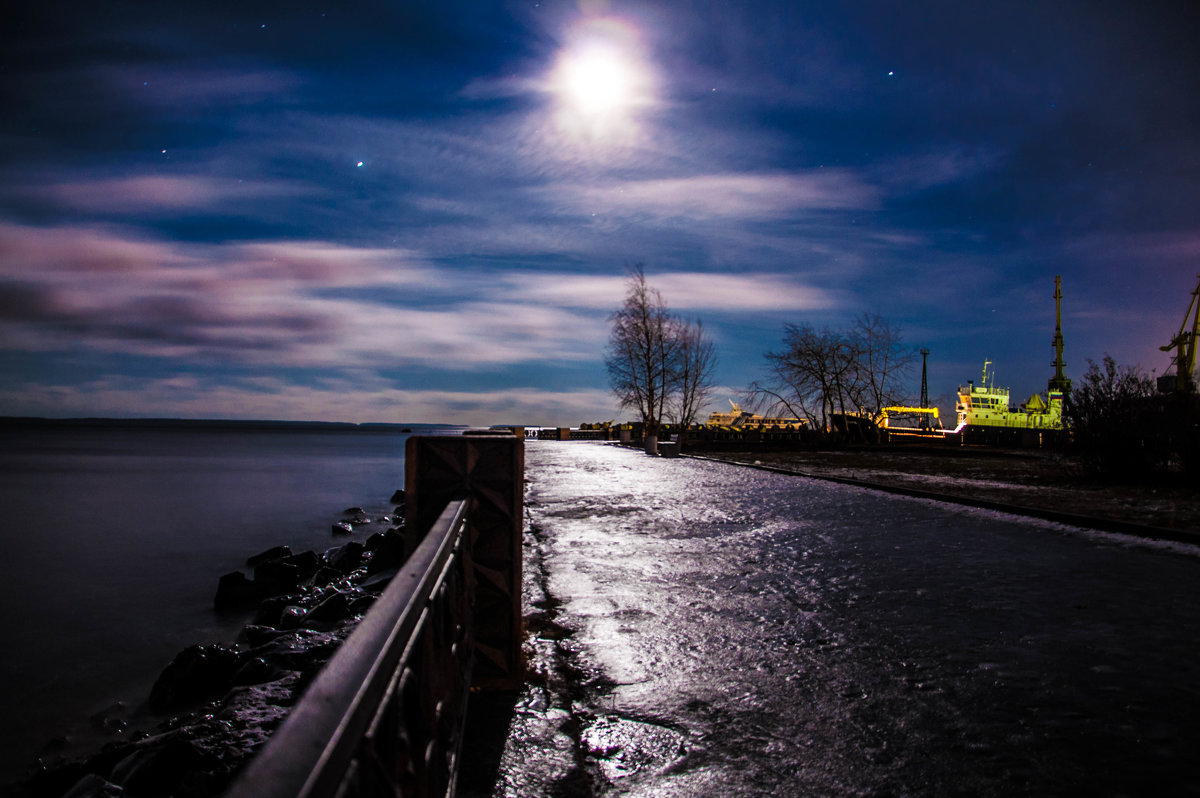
column 213, row 424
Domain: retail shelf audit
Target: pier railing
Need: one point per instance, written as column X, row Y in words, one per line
column 385, row 715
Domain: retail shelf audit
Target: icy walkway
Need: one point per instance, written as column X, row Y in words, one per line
column 702, row 629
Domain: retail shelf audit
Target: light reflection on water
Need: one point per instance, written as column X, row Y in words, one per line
column 114, row 540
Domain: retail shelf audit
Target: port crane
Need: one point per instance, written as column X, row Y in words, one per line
column 1184, row 344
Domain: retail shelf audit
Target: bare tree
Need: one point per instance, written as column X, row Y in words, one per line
column 658, row 364
column 883, row 360
column 693, row 366
column 821, row 372
column 804, row 374
column 641, row 351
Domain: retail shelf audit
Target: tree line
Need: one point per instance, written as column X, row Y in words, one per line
column 662, row 367
column 821, row 373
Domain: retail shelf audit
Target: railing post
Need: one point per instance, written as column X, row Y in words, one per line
column 489, row 467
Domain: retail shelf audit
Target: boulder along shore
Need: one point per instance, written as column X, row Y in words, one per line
column 215, row 705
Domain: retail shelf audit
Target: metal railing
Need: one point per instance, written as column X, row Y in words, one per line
column 385, row 714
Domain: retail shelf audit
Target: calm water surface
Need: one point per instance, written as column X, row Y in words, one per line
column 114, row 539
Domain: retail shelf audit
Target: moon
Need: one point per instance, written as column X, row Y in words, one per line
column 602, row 81
column 596, row 81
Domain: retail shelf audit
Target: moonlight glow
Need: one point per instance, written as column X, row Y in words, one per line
column 601, row 81
column 595, row 81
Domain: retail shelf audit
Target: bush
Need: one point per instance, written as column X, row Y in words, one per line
column 1122, row 429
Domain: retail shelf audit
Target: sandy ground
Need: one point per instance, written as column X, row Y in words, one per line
column 1022, row 478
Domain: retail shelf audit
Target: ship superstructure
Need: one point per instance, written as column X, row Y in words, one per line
column 987, row 408
column 988, row 405
column 737, row 418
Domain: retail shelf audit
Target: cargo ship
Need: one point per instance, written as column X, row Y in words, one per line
column 985, row 412
column 987, row 405
column 737, row 418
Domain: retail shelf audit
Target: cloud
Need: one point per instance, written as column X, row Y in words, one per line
column 951, row 164
column 732, row 293
column 724, row 196
column 154, row 194
column 297, row 304
column 372, row 400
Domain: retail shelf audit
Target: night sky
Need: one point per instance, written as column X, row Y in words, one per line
column 425, row 211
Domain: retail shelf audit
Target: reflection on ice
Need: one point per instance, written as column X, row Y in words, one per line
column 736, row 632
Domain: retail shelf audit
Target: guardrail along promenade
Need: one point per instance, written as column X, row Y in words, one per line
column 385, row 715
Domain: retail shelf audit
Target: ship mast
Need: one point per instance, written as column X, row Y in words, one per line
column 1059, row 381
column 924, row 388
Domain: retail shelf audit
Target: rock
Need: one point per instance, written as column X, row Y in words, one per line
column 255, row 635
column 345, row 559
column 160, row 770
column 270, row 610
column 324, row 575
column 94, row 785
column 197, row 673
column 277, row 577
column 354, row 511
column 309, row 562
column 389, row 551
column 236, row 592
column 334, row 607
column 342, row 528
column 301, row 650
column 292, row 617
column 111, row 719
column 276, row 553
column 360, row 605
column 398, row 497
column 255, row 670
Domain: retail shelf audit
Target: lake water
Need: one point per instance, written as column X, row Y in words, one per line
column 114, row 539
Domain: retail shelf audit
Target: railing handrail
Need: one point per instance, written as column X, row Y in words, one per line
column 309, row 754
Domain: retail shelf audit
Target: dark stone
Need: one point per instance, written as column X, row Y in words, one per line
column 159, row 770
column 300, row 649
column 270, row 610
column 389, row 550
column 309, row 562
column 398, row 497
column 94, row 785
column 255, row 635
column 342, row 528
column 292, row 617
column 197, row 673
column 354, row 511
column 325, row 575
column 345, row 559
column 398, row 514
column 334, row 607
column 277, row 577
column 236, row 592
column 255, row 670
column 277, row 553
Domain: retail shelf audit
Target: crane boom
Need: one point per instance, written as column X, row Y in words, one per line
column 1184, row 344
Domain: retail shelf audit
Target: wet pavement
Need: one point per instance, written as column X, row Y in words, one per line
column 698, row 628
